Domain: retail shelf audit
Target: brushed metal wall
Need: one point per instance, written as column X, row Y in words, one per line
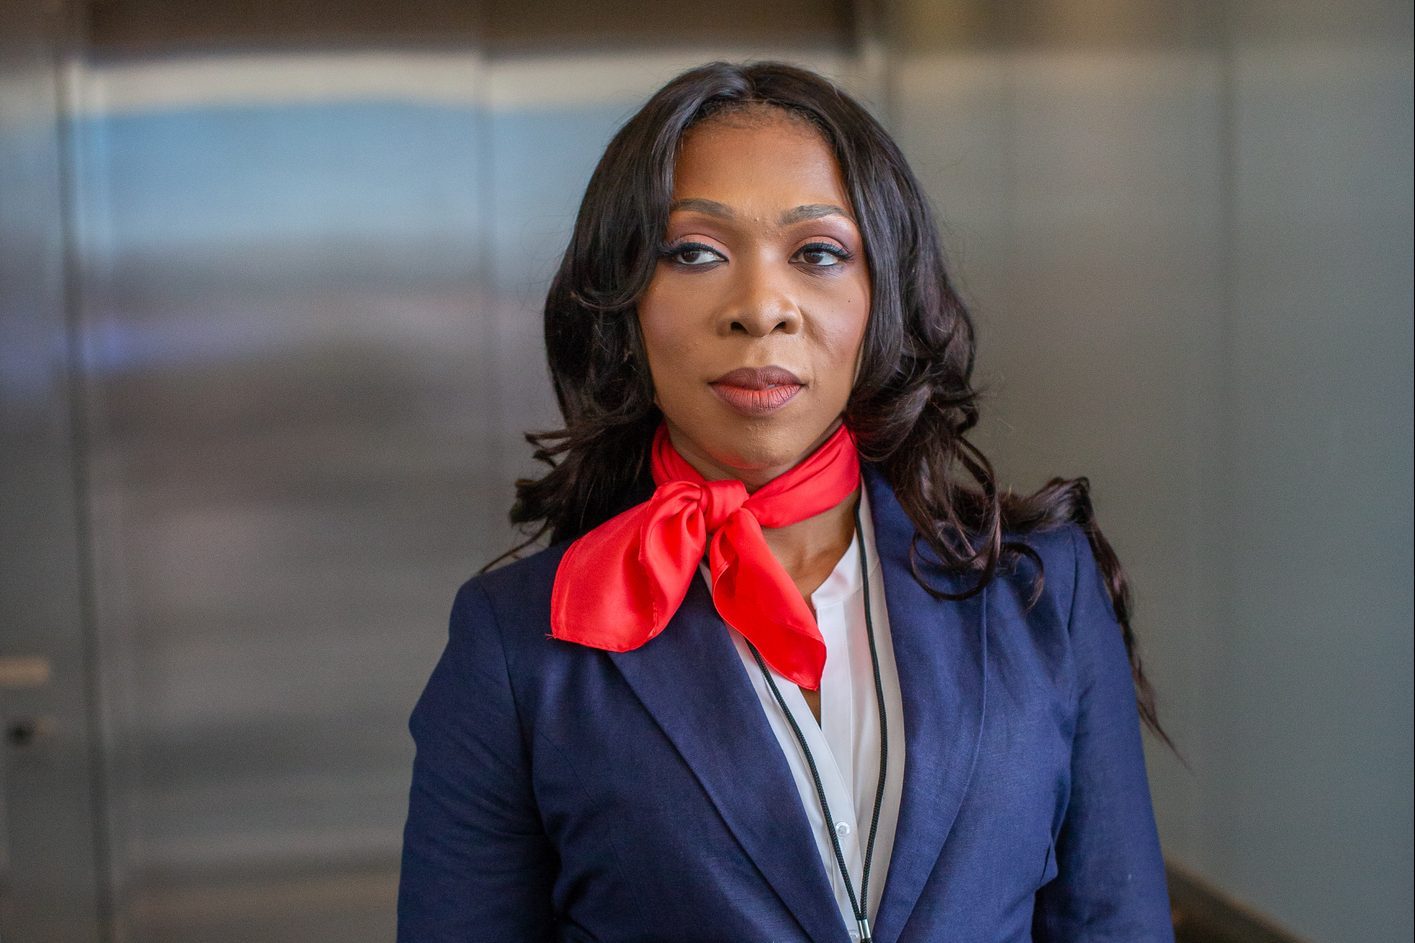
column 1186, row 230
column 51, row 810
column 267, row 418
column 313, row 254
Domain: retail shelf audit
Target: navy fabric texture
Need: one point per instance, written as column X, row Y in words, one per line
column 562, row 793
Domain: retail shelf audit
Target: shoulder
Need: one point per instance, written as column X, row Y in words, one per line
column 508, row 606
column 1074, row 613
column 1054, row 557
column 1063, row 555
column 514, row 580
column 1068, row 633
column 1049, row 557
column 1056, row 604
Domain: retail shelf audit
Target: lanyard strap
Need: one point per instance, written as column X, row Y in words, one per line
column 858, row 905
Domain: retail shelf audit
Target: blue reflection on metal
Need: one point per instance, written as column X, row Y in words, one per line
column 258, row 207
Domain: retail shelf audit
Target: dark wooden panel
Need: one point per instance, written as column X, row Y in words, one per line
column 1203, row 914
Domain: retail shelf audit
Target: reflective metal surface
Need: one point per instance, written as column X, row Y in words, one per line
column 266, row 418
column 51, row 794
column 313, row 268
column 1186, row 228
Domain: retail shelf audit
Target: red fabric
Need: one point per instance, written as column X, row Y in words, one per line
column 618, row 585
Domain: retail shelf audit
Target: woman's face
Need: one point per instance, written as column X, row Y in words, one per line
column 754, row 318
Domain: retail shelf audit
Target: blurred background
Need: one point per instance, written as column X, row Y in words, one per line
column 270, row 277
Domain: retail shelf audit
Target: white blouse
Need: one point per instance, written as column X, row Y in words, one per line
column 845, row 744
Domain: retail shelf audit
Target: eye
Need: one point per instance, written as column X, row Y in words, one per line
column 824, row 255
column 691, row 254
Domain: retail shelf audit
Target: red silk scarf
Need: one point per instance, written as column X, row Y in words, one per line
column 619, row 585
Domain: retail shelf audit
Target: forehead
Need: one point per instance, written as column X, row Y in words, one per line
column 765, row 159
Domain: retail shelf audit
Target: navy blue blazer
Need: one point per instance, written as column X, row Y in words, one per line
column 566, row 793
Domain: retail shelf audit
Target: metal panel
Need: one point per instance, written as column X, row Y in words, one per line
column 1186, row 231
column 313, row 240
column 1076, row 153
column 311, row 313
column 49, row 797
column 291, row 476
column 1316, row 685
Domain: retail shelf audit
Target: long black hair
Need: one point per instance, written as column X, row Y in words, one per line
column 913, row 402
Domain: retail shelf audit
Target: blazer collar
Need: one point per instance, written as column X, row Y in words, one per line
column 718, row 726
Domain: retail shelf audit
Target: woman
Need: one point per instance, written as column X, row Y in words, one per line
column 792, row 669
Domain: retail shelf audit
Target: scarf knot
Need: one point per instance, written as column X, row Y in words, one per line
column 619, row 585
column 715, row 500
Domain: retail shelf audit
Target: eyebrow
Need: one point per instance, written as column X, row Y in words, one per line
column 812, row 211
column 795, row 215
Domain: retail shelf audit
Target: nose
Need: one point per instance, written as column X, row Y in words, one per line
column 760, row 303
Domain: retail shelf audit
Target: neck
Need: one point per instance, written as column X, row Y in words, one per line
column 808, row 550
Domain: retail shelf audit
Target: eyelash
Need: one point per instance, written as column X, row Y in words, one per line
column 668, row 252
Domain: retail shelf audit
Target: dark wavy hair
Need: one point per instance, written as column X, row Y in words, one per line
column 913, row 403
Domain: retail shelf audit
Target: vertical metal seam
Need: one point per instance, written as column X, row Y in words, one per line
column 68, row 45
column 486, row 291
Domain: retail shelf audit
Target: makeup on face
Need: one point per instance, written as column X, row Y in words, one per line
column 757, row 391
column 754, row 318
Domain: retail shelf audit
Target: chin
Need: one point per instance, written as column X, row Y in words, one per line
column 753, row 449
column 762, row 447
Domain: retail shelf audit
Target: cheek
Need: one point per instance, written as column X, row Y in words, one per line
column 842, row 345
column 845, row 305
column 842, row 338
column 665, row 318
column 667, row 349
column 858, row 324
column 654, row 322
column 673, row 357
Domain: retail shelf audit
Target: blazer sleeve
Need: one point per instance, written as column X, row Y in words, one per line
column 477, row 864
column 1110, row 883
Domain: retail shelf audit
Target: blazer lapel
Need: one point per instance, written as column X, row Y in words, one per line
column 940, row 650
column 717, row 725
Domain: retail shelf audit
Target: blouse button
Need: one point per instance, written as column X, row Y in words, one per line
column 842, row 829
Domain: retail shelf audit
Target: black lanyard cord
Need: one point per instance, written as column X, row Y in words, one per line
column 858, row 906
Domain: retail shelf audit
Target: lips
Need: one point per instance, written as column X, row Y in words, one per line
column 757, row 391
